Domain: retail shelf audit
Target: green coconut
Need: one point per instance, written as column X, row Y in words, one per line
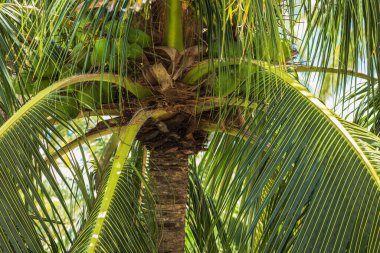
column 134, row 51
column 127, row 50
column 82, row 31
column 113, row 57
column 41, row 84
column 234, row 49
column 139, row 37
column 107, row 93
column 97, row 93
column 81, row 57
column 45, row 68
column 101, row 52
column 120, row 49
column 225, row 83
column 67, row 107
column 23, row 84
column 89, row 96
column 115, row 29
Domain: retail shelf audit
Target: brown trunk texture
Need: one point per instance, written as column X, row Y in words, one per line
column 169, row 175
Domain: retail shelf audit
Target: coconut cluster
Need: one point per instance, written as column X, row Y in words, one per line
column 100, row 43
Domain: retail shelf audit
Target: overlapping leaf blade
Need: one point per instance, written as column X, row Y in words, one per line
column 303, row 180
column 130, row 222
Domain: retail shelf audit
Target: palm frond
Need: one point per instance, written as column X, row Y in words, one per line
column 363, row 107
column 11, row 18
column 35, row 187
column 104, row 223
column 205, row 228
column 346, row 30
column 308, row 181
column 35, row 212
column 127, row 226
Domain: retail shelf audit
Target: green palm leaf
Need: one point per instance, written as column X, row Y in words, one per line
column 309, row 181
column 129, row 225
column 33, row 203
column 11, row 15
column 23, row 155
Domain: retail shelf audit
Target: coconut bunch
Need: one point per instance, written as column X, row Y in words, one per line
column 100, row 42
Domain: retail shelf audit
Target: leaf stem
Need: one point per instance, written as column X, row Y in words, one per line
column 206, row 66
column 135, row 88
column 302, row 68
column 174, row 32
column 127, row 138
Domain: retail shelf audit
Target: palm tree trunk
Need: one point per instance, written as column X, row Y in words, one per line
column 169, row 175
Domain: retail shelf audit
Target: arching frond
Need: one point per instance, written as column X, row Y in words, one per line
column 35, row 212
column 101, row 230
column 129, row 224
column 33, row 183
column 11, row 19
column 303, row 180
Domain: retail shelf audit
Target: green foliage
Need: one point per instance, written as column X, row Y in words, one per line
column 278, row 54
column 234, row 49
column 275, row 186
column 113, row 29
column 108, row 93
column 26, row 84
column 40, row 85
column 104, row 52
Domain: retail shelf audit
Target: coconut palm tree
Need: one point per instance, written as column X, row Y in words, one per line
column 186, row 125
